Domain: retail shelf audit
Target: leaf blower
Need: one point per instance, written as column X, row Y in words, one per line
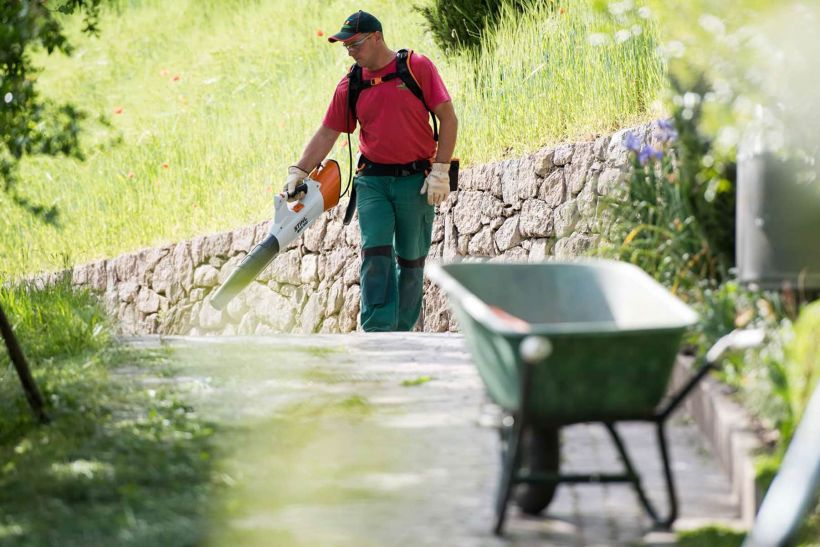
column 322, row 189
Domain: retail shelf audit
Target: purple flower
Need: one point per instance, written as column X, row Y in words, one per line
column 668, row 132
column 632, row 142
column 648, row 153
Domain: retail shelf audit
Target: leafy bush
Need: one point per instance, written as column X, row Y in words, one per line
column 458, row 25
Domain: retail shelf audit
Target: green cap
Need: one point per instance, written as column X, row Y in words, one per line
column 359, row 22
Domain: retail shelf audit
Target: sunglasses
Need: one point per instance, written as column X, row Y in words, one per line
column 354, row 45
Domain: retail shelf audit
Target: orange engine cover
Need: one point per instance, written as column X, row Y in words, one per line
column 329, row 177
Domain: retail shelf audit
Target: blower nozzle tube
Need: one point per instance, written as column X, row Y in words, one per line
column 259, row 257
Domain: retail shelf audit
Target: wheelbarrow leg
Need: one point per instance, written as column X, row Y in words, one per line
column 534, row 350
column 511, row 460
column 658, row 522
column 670, row 483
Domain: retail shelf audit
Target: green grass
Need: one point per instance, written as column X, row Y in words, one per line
column 713, row 536
column 416, row 381
column 209, row 101
column 119, row 464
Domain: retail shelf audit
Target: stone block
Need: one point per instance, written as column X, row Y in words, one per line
column 467, row 212
column 573, row 246
column 286, row 267
column 242, row 240
column 528, row 180
column 544, row 162
column 481, row 244
column 336, row 298
column 313, row 237
column 617, row 154
column 553, row 190
column 566, row 217
column 510, row 181
column 352, row 268
column 309, row 272
column 535, row 219
column 147, row 301
column 334, row 235
column 611, row 182
column 508, row 234
column 349, row 316
column 601, row 147
column 312, row 314
column 563, row 154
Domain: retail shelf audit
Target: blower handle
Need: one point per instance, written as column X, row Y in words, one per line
column 301, row 188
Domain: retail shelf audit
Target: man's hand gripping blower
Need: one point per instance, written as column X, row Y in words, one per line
column 322, row 189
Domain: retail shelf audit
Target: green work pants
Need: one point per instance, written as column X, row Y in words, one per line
column 396, row 224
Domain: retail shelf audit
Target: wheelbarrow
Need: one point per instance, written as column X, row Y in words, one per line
column 561, row 343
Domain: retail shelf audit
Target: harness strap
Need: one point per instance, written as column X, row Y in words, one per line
column 356, row 84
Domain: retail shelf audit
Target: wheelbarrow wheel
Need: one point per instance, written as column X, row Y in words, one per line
column 541, row 453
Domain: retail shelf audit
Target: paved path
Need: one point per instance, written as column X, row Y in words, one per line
column 343, row 440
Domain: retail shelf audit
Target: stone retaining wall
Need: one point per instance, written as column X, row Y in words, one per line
column 530, row 208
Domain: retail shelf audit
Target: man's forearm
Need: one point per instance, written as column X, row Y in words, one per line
column 317, row 148
column 448, row 131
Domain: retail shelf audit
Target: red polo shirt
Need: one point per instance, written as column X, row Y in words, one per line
column 395, row 126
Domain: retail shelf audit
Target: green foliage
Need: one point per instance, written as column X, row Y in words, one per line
column 416, row 381
column 676, row 221
column 793, row 365
column 58, row 322
column 118, row 464
column 713, row 536
column 707, row 174
column 458, row 25
column 30, row 125
column 803, row 357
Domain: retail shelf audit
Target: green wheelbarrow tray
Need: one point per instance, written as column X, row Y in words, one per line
column 558, row 343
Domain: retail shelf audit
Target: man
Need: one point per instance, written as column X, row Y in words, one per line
column 402, row 175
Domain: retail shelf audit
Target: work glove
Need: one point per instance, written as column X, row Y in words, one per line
column 437, row 184
column 295, row 176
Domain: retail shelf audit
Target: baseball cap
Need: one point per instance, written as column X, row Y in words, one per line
column 359, row 22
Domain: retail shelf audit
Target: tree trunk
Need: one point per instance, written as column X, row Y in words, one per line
column 35, row 400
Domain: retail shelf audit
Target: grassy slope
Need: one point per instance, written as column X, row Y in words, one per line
column 209, row 101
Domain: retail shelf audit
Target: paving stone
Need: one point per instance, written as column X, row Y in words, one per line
column 414, row 467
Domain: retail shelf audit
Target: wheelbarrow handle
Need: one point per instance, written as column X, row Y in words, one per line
column 734, row 341
column 535, row 349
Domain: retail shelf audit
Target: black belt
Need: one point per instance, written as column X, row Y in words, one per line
column 373, row 169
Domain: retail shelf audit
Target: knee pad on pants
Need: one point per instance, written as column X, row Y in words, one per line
column 377, row 267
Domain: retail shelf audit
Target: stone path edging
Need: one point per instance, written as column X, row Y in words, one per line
column 730, row 432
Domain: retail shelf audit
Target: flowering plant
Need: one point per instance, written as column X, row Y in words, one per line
column 667, row 221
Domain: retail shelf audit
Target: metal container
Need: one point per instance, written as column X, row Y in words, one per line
column 558, row 343
column 614, row 333
column 778, row 222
